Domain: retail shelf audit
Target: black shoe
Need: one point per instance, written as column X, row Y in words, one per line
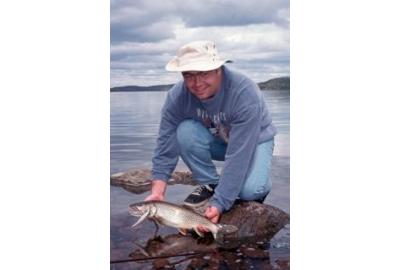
column 200, row 195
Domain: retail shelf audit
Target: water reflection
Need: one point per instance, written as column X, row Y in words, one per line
column 132, row 249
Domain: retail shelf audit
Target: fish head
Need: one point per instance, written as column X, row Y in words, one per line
column 139, row 209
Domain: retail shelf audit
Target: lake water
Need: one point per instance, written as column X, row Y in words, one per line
column 134, row 125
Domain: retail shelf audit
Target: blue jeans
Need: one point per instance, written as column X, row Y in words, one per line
column 198, row 149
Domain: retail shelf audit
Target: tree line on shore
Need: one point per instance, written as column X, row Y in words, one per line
column 281, row 83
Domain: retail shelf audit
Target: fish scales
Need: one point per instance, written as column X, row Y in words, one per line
column 181, row 218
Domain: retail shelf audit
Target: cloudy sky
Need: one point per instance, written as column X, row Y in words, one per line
column 145, row 35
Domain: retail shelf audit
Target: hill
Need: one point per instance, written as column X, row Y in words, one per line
column 282, row 83
column 134, row 88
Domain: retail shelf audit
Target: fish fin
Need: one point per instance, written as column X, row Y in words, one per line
column 155, row 221
column 198, row 232
column 187, row 207
column 183, row 231
column 141, row 219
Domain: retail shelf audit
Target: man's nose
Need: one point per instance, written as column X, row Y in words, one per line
column 197, row 79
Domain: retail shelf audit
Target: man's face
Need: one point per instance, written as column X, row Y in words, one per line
column 203, row 84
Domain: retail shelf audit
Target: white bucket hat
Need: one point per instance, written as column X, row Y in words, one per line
column 197, row 56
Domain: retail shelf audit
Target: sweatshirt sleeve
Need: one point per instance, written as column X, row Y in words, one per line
column 166, row 153
column 243, row 139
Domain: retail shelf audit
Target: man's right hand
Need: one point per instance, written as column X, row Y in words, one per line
column 158, row 188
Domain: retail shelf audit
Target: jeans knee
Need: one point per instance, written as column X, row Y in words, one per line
column 250, row 193
column 189, row 132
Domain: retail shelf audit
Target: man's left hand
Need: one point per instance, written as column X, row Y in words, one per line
column 212, row 214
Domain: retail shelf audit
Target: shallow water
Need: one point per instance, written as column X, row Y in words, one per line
column 134, row 125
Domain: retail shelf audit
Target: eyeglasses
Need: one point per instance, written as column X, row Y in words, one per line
column 202, row 75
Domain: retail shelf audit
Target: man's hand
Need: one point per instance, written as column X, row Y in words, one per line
column 212, row 214
column 154, row 197
column 158, row 188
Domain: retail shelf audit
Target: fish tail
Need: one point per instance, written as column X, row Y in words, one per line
column 224, row 229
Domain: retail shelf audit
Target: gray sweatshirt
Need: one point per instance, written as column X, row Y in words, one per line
column 237, row 114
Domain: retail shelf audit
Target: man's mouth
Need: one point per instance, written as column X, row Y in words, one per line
column 200, row 91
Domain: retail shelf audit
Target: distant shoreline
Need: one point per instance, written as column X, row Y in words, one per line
column 281, row 83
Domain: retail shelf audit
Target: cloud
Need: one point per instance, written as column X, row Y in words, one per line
column 146, row 34
column 148, row 21
column 225, row 12
column 143, row 21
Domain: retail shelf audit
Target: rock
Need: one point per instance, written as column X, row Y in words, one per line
column 283, row 264
column 160, row 263
column 255, row 253
column 172, row 245
column 197, row 263
column 255, row 220
column 138, row 180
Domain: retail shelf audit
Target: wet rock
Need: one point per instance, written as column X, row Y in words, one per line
column 283, row 264
column 197, row 263
column 255, row 220
column 255, row 253
column 161, row 264
column 231, row 261
column 172, row 245
column 138, row 180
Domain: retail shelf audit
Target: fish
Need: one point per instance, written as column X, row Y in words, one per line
column 179, row 217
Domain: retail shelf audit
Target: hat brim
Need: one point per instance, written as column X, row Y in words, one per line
column 199, row 66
